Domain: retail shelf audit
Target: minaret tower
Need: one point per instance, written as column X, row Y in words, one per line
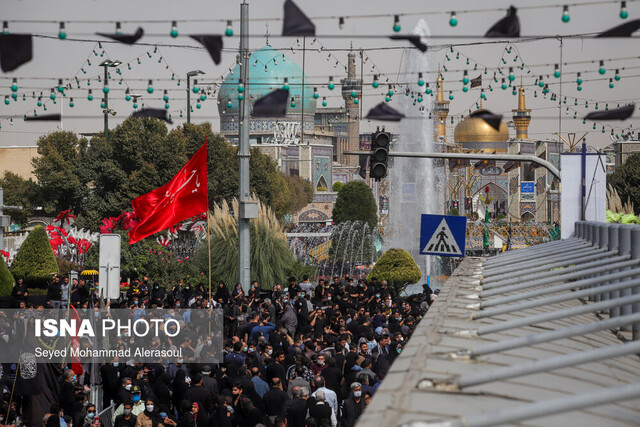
column 521, row 116
column 440, row 112
column 351, row 85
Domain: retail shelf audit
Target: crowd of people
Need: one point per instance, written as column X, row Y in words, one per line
column 310, row 354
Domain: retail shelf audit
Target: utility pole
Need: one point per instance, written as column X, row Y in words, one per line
column 5, row 220
column 248, row 209
column 105, row 90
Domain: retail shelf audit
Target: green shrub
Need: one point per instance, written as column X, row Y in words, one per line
column 35, row 261
column 398, row 268
column 6, row 279
column 337, row 186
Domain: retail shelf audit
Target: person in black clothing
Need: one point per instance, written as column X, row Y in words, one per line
column 67, row 391
column 79, row 293
column 109, row 375
column 275, row 399
column 276, row 369
column 200, row 395
column 222, row 293
column 124, row 392
column 321, row 410
column 243, row 409
column 353, row 406
column 296, row 408
column 19, row 292
column 157, row 295
column 54, row 293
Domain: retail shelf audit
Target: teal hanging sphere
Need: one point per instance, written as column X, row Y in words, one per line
column 315, row 95
column 103, row 105
column 617, row 77
column 451, row 97
column 331, row 86
column 39, row 103
column 165, row 98
column 483, row 96
column 150, row 89
column 240, row 98
column 198, row 106
column 387, row 99
column 579, row 88
column 105, row 89
column 6, row 101
column 465, row 89
column 293, row 104
column 356, row 101
column 195, row 89
column 229, row 104
column 541, row 84
column 228, row 32
column 428, row 91
column 419, row 99
column 52, row 96
column 127, row 97
column 90, row 97
column 420, row 82
column 602, row 70
column 15, row 96
column 504, row 86
column 511, row 77
column 453, row 22
column 390, row 93
column 397, row 28
column 354, row 93
column 624, row 14
column 174, row 33
column 62, row 35
column 465, row 80
column 203, row 97
column 375, row 84
column 556, row 74
column 610, row 85
column 579, row 81
column 565, row 17
column 71, row 104
column 14, row 87
column 166, row 106
column 240, row 88
column 285, row 87
column 513, row 92
column 135, row 106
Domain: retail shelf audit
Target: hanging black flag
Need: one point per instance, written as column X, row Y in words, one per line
column 296, row 22
column 154, row 113
column 493, row 120
column 44, row 118
column 385, row 112
column 125, row 38
column 273, row 104
column 415, row 40
column 476, row 82
column 621, row 113
column 213, row 44
column 624, row 30
column 15, row 50
column 510, row 165
column 458, row 163
column 484, row 164
column 509, row 26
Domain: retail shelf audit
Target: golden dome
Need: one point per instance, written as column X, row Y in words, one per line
column 475, row 129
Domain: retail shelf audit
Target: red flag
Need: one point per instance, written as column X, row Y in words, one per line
column 181, row 198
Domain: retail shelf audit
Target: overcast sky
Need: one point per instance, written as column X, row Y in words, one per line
column 54, row 59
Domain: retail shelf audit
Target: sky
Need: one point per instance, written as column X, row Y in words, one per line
column 66, row 59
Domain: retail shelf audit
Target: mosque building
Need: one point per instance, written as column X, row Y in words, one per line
column 516, row 191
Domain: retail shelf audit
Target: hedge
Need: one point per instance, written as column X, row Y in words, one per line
column 398, row 268
column 6, row 279
column 35, row 261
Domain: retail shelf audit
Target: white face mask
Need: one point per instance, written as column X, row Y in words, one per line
column 357, row 393
column 149, row 408
column 127, row 387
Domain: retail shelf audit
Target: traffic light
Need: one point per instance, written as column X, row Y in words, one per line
column 380, row 148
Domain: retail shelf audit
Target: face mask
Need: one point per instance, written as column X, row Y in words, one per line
column 163, row 415
column 230, row 410
column 177, row 305
column 74, row 379
column 1, row 419
column 245, row 349
column 136, row 398
column 399, row 350
column 251, row 350
column 269, row 352
column 91, row 414
column 116, row 364
column 377, row 295
column 127, row 412
column 149, row 408
column 328, row 298
column 127, row 387
column 357, row 393
column 320, row 362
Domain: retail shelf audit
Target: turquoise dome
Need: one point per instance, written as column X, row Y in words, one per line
column 262, row 82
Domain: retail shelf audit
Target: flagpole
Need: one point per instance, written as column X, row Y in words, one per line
column 209, row 246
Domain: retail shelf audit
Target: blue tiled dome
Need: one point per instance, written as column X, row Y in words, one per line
column 261, row 82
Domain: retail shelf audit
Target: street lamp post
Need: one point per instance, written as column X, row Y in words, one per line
column 189, row 75
column 105, row 90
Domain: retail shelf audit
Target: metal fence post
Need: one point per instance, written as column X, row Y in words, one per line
column 624, row 248
column 635, row 254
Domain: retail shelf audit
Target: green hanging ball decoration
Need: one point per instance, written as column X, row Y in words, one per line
column 195, row 89
column 579, row 88
column 451, row 96
column 375, row 84
column 331, row 86
column 103, row 105
column 286, row 86
column 293, row 104
column 315, row 95
column 174, row 33
column 354, row 93
column 428, row 91
column 135, row 106
column 203, row 97
column 610, row 85
column 105, row 89
column 39, row 103
column 240, row 98
column 198, row 106
column 166, row 106
column 602, row 70
column 150, row 89
column 241, row 88
column 229, row 104
column 90, row 97
column 483, row 96
column 62, row 33
column 453, row 19
column 229, row 30
column 541, row 84
column 14, row 87
column 465, row 89
column 617, row 77
column 72, row 104
column 396, row 24
column 390, row 93
column 504, row 86
column 513, row 92
column 512, row 77
column 180, row 113
column 419, row 99
column 465, row 80
column 579, row 81
column 324, row 103
column 565, row 14
column 6, row 101
column 624, row 14
column 420, row 82
column 556, row 74
column 165, row 98
column 127, row 97
column 52, row 96
column 387, row 99
column 14, row 96
column 356, row 101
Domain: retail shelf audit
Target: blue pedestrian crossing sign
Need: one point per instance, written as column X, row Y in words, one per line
column 443, row 235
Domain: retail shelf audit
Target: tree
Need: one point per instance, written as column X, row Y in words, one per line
column 356, row 203
column 626, row 180
column 57, row 169
column 6, row 279
column 398, row 268
column 35, row 261
column 337, row 186
column 19, row 192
